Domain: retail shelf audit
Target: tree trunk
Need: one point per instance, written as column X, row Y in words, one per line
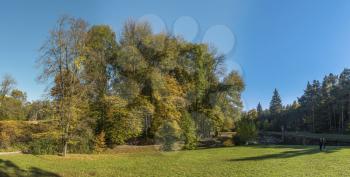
column 334, row 118
column 342, row 123
column 313, row 119
column 330, row 119
column 65, row 141
column 65, row 149
column 341, row 119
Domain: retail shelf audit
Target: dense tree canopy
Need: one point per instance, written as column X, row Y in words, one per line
column 107, row 90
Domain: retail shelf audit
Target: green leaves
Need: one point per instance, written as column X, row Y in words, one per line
column 140, row 84
column 168, row 133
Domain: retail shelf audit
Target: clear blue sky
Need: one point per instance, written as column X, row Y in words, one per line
column 277, row 44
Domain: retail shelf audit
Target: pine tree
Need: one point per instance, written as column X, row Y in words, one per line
column 310, row 102
column 315, row 104
column 276, row 110
column 327, row 100
column 259, row 110
column 276, row 103
column 343, row 97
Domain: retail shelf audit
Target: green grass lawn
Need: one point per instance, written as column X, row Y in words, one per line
column 235, row 161
column 333, row 137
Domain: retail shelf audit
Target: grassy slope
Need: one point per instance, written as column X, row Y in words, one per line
column 236, row 161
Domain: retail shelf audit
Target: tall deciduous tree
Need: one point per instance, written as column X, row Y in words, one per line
column 60, row 63
column 7, row 84
column 100, row 51
column 135, row 85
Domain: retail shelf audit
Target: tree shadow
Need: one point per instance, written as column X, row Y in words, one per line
column 299, row 151
column 9, row 169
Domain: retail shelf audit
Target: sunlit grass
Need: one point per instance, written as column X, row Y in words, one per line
column 235, row 161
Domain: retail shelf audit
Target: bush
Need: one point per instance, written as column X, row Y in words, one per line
column 100, row 143
column 168, row 134
column 42, row 137
column 14, row 134
column 81, row 138
column 246, row 131
column 5, row 140
column 122, row 123
column 46, row 143
column 188, row 132
column 44, row 146
column 228, row 143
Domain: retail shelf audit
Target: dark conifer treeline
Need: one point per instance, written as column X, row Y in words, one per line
column 323, row 108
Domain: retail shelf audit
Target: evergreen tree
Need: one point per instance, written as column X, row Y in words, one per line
column 276, row 103
column 310, row 103
column 343, row 97
column 327, row 100
column 276, row 108
column 259, row 109
column 323, row 107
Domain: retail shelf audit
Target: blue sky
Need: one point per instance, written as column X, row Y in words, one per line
column 274, row 44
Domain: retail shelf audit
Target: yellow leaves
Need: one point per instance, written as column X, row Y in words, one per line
column 176, row 95
column 115, row 102
column 168, row 111
column 171, row 101
column 235, row 80
column 100, row 142
column 142, row 104
column 52, row 134
column 173, row 87
column 131, row 59
column 79, row 61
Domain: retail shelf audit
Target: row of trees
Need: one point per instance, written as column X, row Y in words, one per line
column 14, row 104
column 324, row 107
column 110, row 91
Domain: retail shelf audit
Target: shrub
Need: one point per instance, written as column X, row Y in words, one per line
column 100, row 143
column 81, row 138
column 43, row 146
column 168, row 133
column 122, row 123
column 14, row 134
column 228, row 143
column 246, row 131
column 5, row 140
column 45, row 143
column 188, row 132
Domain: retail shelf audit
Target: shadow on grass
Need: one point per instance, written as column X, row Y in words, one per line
column 9, row 169
column 299, row 151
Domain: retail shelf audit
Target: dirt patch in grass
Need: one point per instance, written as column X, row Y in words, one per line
column 132, row 149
